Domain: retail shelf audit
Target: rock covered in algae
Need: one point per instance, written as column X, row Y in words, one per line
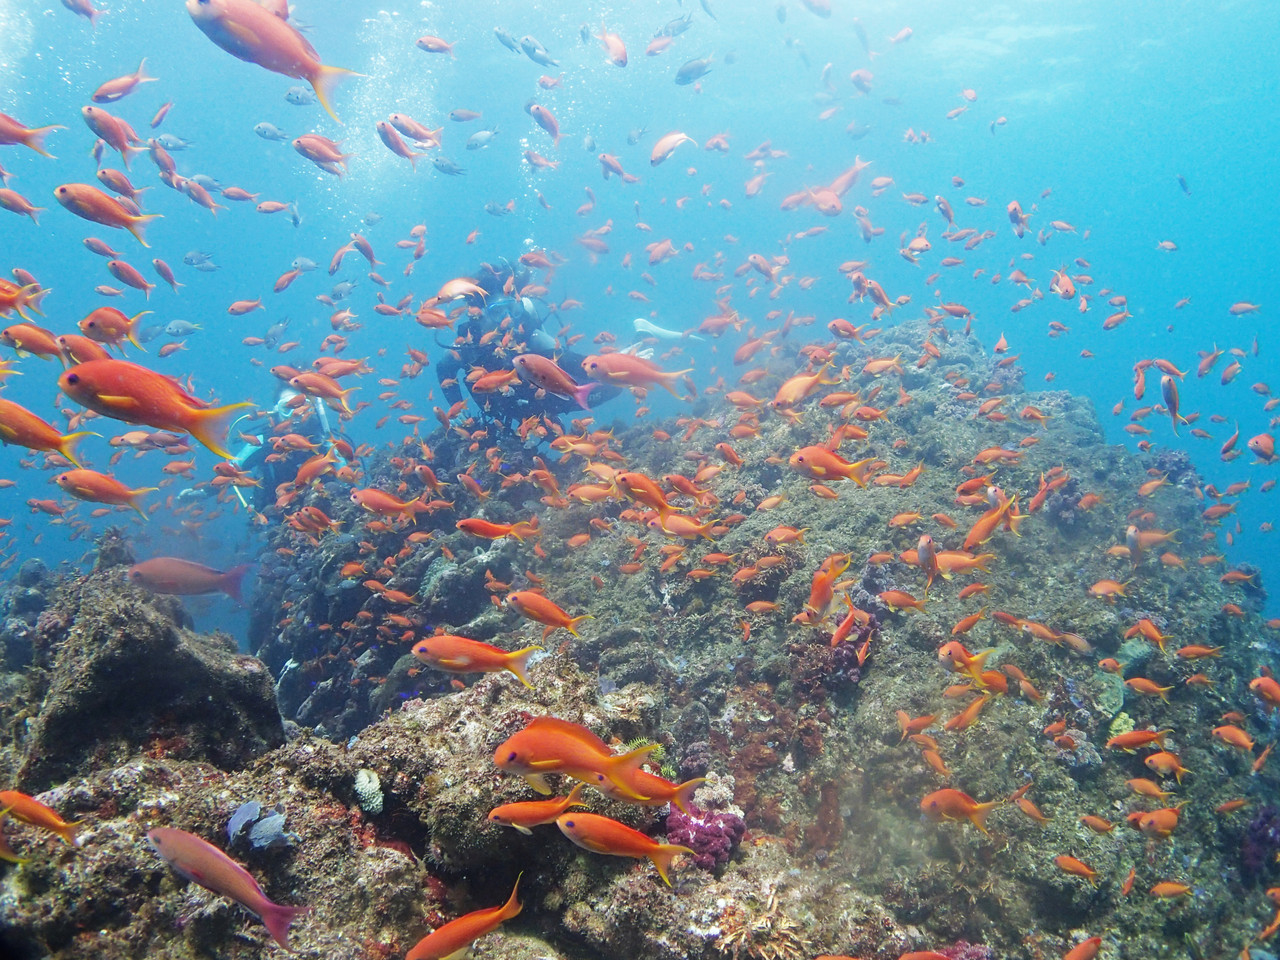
column 120, row 674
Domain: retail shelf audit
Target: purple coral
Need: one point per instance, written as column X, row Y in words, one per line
column 1261, row 843
column 964, row 950
column 711, row 836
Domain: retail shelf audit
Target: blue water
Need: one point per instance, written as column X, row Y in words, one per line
column 1106, row 105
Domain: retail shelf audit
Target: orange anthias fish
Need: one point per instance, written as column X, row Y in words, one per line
column 951, row 804
column 205, row 864
column 98, row 487
column 19, row 425
column 656, row 790
column 822, row 590
column 532, row 604
column 90, row 203
column 455, row 654
column 250, row 32
column 452, row 939
column 821, row 464
column 134, row 394
column 31, row 811
column 602, row 835
column 551, row 745
column 535, row 813
column 625, row 369
column 478, row 527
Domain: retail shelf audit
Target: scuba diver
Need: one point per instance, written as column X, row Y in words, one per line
column 480, row 344
column 271, row 467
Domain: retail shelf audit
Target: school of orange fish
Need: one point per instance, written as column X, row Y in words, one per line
column 680, row 512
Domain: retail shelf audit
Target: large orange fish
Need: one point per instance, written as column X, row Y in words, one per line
column 452, row 939
column 551, row 745
column 602, row 835
column 456, row 654
column 254, row 34
column 534, row 813
column 950, row 804
column 31, row 811
column 19, row 425
column 628, row 370
column 100, row 488
column 821, row 464
column 532, row 604
column 134, row 394
column 90, row 203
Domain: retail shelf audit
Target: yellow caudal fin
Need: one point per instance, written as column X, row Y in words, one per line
column 210, row 426
column 619, row 769
column 513, row 906
column 571, row 626
column 35, row 139
column 135, row 225
column 683, row 797
column 663, row 854
column 67, row 444
column 133, row 499
column 133, row 326
column 518, row 662
column 325, row 81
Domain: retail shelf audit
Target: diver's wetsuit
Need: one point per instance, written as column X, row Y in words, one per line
column 528, row 316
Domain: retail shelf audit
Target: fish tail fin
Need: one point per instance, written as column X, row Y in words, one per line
column 573, row 623
column 581, row 393
column 619, row 769
column 134, row 495
column 513, row 906
column 231, row 581
column 683, row 797
column 142, row 73
column 35, row 139
column 518, row 663
column 979, row 814
column 276, row 917
column 209, row 426
column 573, row 800
column 325, row 81
column 136, row 224
column 67, row 444
column 68, row 833
column 663, row 854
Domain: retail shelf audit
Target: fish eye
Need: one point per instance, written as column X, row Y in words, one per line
column 511, row 757
column 569, row 824
column 73, row 379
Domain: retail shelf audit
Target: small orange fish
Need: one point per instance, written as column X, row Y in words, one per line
column 602, row 835
column 951, row 804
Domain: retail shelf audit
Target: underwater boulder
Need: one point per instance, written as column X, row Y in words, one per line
column 121, row 677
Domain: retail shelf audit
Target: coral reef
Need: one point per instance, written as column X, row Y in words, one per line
column 808, row 832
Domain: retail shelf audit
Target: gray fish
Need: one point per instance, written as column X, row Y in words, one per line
column 147, row 334
column 634, row 136
column 589, row 143
column 693, row 70
column 445, row 165
column 269, row 131
column 857, row 130
column 342, row 290
column 781, row 13
column 706, row 6
column 206, row 181
column 206, row 266
column 372, row 219
column 300, row 96
column 507, row 40
column 275, row 332
column 537, row 52
column 496, row 209
column 302, row 265
column 180, row 328
column 194, row 257
column 172, row 142
column 481, row 139
column 677, row 26
column 245, row 813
